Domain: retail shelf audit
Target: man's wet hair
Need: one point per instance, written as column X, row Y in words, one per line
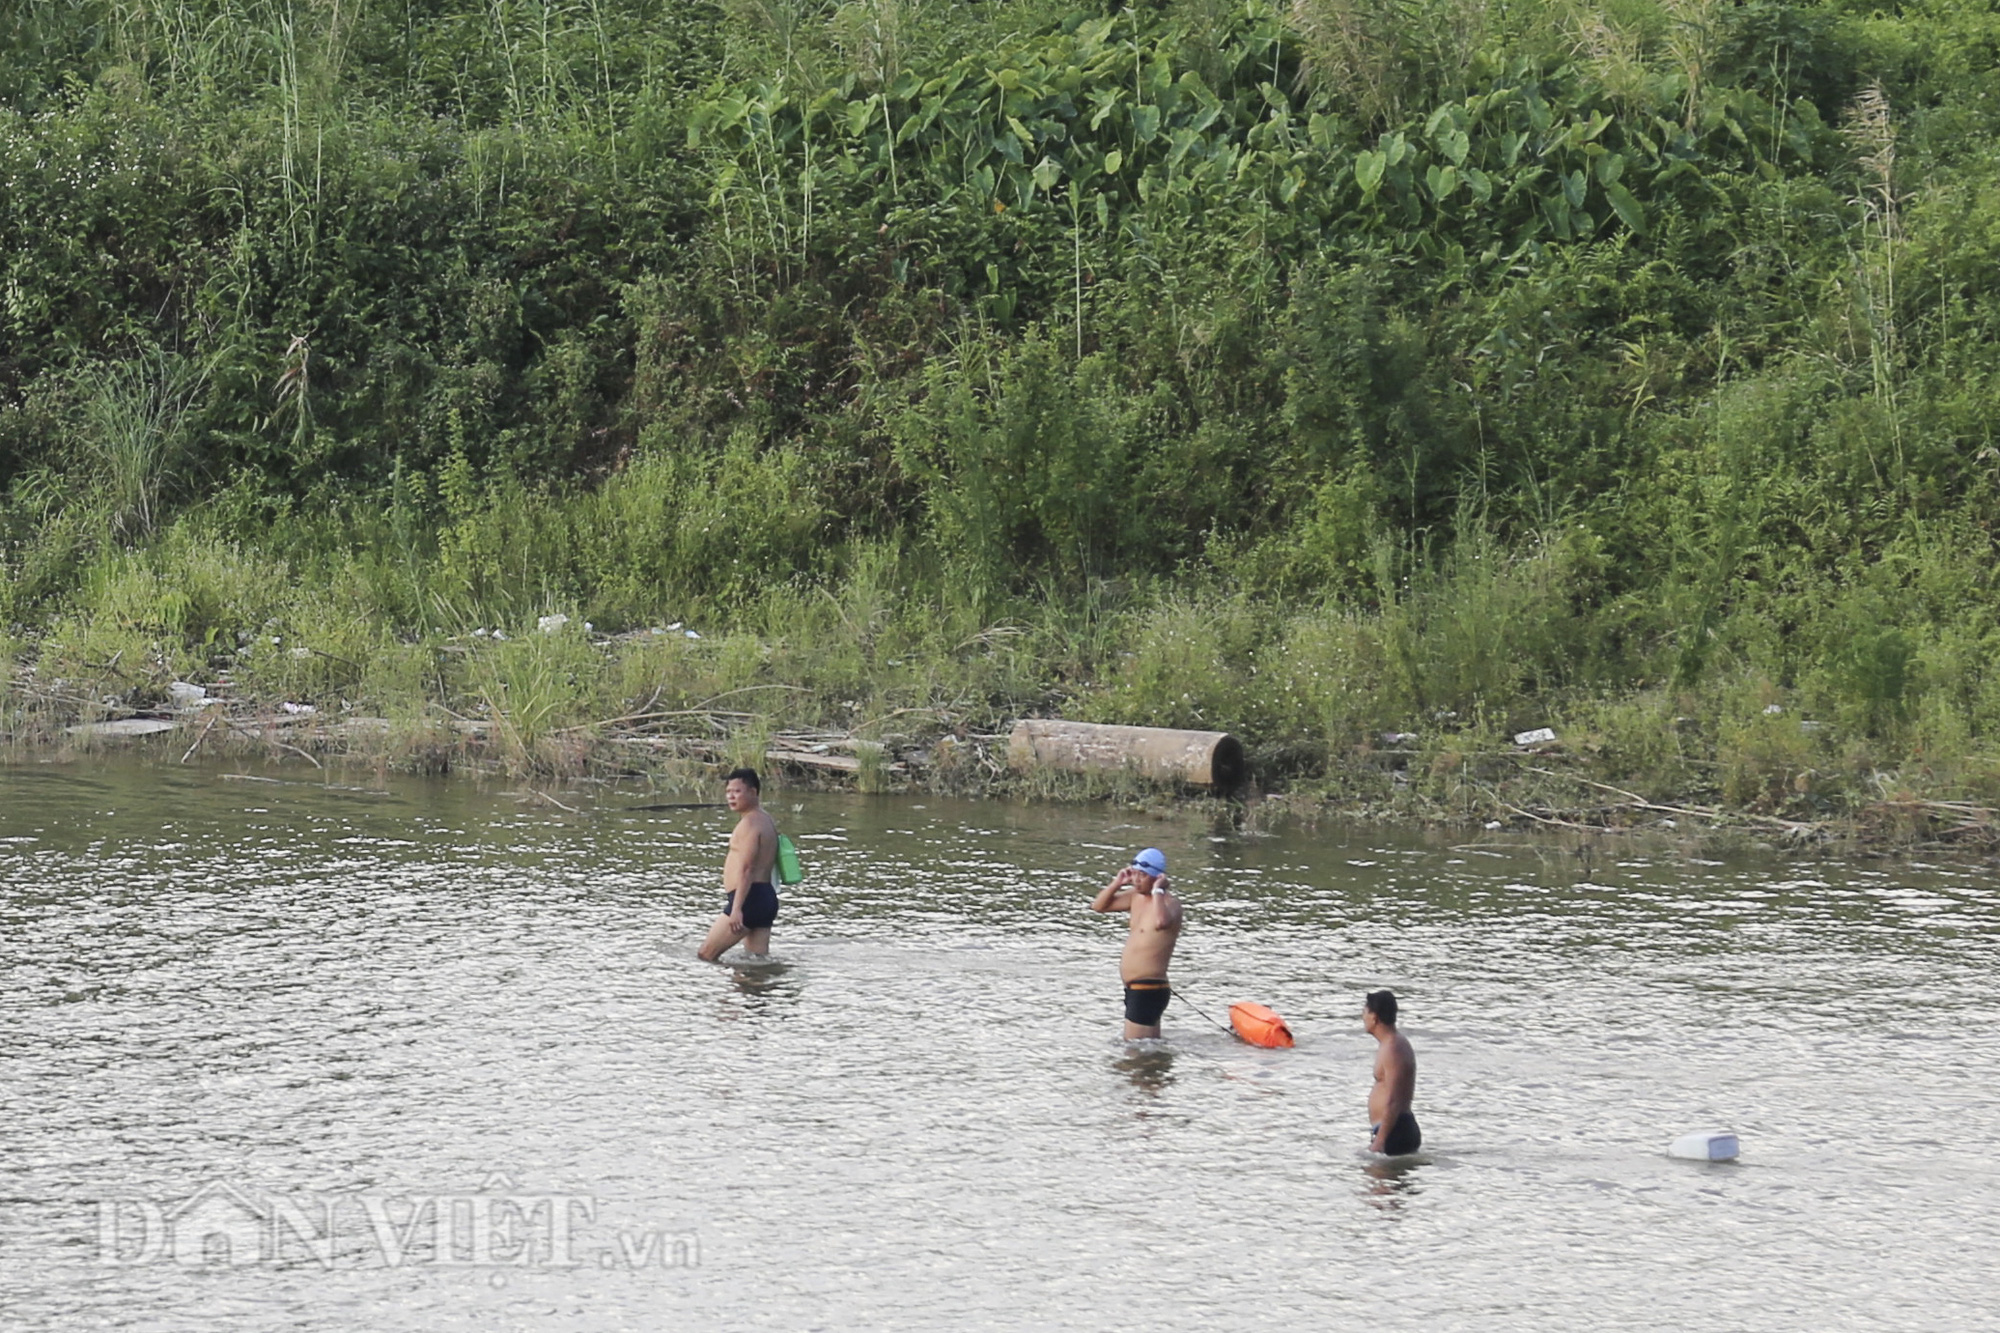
column 746, row 776
column 1382, row 1004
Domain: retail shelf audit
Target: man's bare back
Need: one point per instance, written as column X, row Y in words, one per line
column 1141, row 889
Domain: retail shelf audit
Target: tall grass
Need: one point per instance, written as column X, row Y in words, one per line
column 135, row 436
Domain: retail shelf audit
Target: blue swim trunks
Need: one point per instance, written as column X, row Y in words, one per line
column 1405, row 1136
column 760, row 908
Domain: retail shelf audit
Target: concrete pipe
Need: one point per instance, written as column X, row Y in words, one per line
column 1198, row 758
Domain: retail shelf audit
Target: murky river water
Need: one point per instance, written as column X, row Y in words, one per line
column 432, row 1056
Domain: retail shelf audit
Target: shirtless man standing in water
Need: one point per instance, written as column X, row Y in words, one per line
column 1395, row 1130
column 1141, row 889
column 752, row 902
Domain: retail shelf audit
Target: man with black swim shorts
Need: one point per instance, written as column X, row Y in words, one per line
column 751, row 901
column 1395, row 1130
column 1141, row 889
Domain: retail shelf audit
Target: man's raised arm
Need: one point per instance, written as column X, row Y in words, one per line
column 1117, row 895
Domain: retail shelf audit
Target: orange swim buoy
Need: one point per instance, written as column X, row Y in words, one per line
column 1259, row 1026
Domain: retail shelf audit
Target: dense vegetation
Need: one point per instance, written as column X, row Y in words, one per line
column 1312, row 370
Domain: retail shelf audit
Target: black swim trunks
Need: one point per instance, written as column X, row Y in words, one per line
column 1145, row 1000
column 760, row 909
column 1404, row 1137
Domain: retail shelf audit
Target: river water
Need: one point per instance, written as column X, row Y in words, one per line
column 279, row 1052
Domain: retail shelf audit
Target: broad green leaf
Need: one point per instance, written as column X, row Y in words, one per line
column 1106, row 100
column 1454, row 144
column 1112, row 161
column 1628, row 209
column 1009, row 79
column 920, row 122
column 1145, row 123
column 1557, row 210
column 1368, row 168
column 1047, row 172
column 1192, row 84
column 1395, row 148
column 1103, row 212
column 1610, row 167
column 1021, row 133
column 1478, row 184
column 1574, row 186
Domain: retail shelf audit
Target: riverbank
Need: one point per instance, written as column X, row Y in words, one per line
column 667, row 708
column 1632, row 384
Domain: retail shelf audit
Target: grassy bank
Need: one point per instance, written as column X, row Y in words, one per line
column 1399, row 712
column 1323, row 372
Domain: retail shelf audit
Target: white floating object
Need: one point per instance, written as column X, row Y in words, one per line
column 1772, row 710
column 498, row 635
column 691, row 634
column 298, row 710
column 1538, row 736
column 183, row 693
column 479, row 633
column 671, row 628
column 1707, row 1146
column 552, row 624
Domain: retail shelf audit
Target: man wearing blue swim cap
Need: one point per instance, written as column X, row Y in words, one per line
column 1141, row 889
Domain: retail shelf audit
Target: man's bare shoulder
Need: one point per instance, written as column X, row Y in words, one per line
column 754, row 824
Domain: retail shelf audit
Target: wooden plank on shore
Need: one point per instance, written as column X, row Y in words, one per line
column 837, row 763
column 1162, row 754
column 123, row 728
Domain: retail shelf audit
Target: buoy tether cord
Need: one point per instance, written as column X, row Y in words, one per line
column 1191, row 1004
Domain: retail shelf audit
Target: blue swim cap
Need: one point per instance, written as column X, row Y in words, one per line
column 1153, row 861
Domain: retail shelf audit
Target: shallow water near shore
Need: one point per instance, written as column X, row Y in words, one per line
column 436, row 1055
